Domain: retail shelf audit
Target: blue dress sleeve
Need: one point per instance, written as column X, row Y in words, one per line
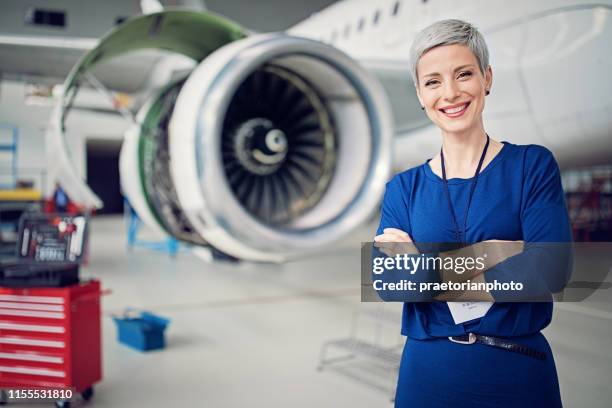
column 544, row 266
column 394, row 214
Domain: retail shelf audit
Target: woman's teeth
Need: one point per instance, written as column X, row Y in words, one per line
column 455, row 110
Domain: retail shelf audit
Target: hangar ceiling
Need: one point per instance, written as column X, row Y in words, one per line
column 90, row 20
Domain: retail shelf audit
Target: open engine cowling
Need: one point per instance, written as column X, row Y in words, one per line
column 271, row 148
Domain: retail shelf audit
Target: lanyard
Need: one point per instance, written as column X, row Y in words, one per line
column 459, row 233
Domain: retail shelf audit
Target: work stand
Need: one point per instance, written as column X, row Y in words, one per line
column 371, row 353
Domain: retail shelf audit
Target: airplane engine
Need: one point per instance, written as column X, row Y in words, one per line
column 276, row 145
column 272, row 147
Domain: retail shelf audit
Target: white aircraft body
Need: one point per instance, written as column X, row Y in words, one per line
column 275, row 145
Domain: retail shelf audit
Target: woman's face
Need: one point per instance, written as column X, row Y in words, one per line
column 452, row 88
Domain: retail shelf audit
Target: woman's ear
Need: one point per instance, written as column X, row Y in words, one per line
column 488, row 79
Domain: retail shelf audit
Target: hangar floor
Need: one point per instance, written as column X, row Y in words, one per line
column 250, row 335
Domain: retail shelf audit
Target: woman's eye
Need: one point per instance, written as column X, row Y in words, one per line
column 432, row 82
column 465, row 74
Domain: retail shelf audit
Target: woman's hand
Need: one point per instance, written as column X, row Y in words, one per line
column 496, row 250
column 393, row 235
column 490, row 253
column 394, row 241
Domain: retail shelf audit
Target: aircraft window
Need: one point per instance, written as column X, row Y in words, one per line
column 396, row 6
column 44, row 17
column 361, row 24
column 376, row 17
column 347, row 30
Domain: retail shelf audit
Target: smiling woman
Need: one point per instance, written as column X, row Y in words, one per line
column 475, row 190
column 452, row 80
column 454, row 93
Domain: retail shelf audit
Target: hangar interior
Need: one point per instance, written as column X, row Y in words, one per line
column 275, row 334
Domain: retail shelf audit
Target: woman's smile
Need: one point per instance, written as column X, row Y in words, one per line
column 455, row 111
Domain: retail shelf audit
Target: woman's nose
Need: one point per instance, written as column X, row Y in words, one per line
column 451, row 90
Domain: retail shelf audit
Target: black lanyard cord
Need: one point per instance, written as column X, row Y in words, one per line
column 459, row 234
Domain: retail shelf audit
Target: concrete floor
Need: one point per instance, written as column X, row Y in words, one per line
column 250, row 335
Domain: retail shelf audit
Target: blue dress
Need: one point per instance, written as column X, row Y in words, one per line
column 518, row 197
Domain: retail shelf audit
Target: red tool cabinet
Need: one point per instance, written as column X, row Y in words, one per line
column 50, row 338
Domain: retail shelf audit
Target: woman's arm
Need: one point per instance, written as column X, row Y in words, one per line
column 394, row 231
column 393, row 238
column 544, row 267
column 541, row 263
column 490, row 253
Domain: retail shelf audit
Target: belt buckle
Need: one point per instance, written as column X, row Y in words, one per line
column 471, row 339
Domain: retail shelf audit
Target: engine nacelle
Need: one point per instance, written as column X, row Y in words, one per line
column 279, row 145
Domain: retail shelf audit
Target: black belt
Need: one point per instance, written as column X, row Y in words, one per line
column 472, row 338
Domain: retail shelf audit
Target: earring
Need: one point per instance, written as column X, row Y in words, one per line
column 422, row 108
column 487, row 92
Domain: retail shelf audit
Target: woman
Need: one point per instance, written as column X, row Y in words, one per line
column 476, row 189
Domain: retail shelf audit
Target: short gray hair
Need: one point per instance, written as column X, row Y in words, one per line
column 447, row 32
